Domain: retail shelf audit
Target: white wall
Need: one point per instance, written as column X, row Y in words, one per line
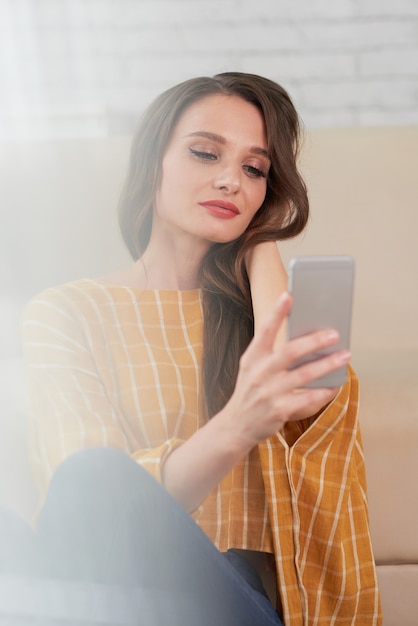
column 87, row 67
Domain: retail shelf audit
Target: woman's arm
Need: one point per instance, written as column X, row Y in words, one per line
column 268, row 280
column 74, row 397
column 264, row 399
column 71, row 409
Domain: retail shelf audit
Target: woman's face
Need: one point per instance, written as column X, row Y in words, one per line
column 214, row 171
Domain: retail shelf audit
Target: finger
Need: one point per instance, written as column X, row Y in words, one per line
column 306, row 403
column 264, row 340
column 304, row 374
column 306, row 346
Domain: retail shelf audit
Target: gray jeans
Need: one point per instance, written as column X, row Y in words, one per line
column 109, row 530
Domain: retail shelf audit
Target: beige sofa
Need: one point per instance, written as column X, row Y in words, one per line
column 58, row 205
column 364, row 195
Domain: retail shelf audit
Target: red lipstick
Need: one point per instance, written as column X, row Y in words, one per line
column 221, row 208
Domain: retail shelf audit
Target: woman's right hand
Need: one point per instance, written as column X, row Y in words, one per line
column 268, row 393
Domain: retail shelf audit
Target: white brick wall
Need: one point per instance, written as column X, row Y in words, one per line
column 73, row 67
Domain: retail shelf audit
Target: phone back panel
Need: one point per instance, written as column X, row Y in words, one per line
column 322, row 291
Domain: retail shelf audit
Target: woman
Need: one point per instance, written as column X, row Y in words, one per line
column 178, row 362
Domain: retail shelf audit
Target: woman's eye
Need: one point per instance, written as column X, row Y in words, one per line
column 201, row 154
column 254, row 171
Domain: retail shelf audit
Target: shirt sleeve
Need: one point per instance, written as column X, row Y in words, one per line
column 69, row 408
column 316, row 491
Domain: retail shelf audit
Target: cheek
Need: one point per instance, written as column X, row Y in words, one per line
column 177, row 184
column 259, row 197
column 169, row 178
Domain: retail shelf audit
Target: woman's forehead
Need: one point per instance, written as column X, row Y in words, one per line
column 225, row 115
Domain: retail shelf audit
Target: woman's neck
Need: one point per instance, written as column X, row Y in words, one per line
column 173, row 264
column 137, row 276
column 176, row 269
column 167, row 276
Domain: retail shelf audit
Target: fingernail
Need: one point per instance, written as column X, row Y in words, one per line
column 332, row 334
column 282, row 299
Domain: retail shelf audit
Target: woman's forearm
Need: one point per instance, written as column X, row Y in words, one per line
column 196, row 467
column 268, row 280
column 264, row 397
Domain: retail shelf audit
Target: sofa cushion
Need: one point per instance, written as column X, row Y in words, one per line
column 398, row 589
column 389, row 422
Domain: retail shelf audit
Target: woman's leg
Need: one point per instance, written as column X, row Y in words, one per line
column 107, row 520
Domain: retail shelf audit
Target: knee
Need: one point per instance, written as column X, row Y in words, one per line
column 98, row 466
column 99, row 478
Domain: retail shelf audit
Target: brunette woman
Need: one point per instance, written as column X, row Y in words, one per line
column 181, row 452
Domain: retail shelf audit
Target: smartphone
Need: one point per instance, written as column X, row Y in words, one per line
column 322, row 292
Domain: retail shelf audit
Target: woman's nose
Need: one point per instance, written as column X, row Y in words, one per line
column 228, row 180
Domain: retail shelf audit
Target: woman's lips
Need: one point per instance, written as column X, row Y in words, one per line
column 220, row 208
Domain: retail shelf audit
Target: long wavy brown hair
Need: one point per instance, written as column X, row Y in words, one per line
column 228, row 315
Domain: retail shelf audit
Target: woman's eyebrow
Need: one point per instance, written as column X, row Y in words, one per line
column 219, row 139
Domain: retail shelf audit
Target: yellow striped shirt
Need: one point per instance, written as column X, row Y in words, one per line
column 116, row 366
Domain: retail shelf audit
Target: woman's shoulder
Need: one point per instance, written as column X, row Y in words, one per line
column 64, row 296
column 72, row 301
column 87, row 297
column 90, row 308
column 75, row 308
